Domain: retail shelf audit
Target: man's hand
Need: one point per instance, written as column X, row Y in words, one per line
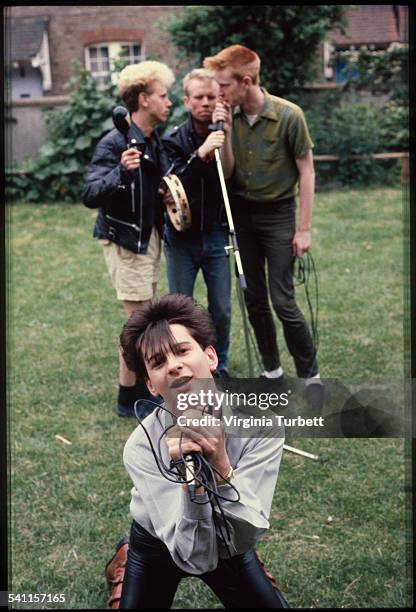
column 207, row 440
column 167, row 196
column 222, row 112
column 215, row 140
column 130, row 159
column 301, row 242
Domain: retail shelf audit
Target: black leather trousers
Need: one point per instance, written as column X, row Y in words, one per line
column 152, row 577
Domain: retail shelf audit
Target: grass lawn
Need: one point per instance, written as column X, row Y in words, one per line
column 339, row 527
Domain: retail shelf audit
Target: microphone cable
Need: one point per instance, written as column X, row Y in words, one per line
column 304, row 270
column 201, row 474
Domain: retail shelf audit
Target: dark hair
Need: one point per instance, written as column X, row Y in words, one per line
column 147, row 331
column 131, row 96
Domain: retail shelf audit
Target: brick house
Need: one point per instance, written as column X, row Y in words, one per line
column 93, row 35
column 42, row 42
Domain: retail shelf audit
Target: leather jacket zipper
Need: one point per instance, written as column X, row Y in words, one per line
column 139, row 244
column 202, row 204
column 133, row 196
column 133, row 225
column 133, row 206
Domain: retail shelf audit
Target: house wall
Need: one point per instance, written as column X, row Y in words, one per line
column 27, row 86
column 72, row 27
column 25, row 129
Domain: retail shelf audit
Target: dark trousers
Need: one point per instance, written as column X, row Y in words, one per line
column 152, row 577
column 265, row 232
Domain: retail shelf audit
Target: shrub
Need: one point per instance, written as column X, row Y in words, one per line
column 357, row 128
column 72, row 134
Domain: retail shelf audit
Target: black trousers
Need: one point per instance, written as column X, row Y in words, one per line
column 265, row 232
column 152, row 577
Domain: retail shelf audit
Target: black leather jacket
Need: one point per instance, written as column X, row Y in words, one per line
column 128, row 208
column 199, row 178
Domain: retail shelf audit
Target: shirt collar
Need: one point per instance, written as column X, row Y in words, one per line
column 268, row 111
column 135, row 132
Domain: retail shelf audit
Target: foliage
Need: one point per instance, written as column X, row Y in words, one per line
column 343, row 128
column 72, row 134
column 286, row 37
column 359, row 127
column 383, row 71
column 178, row 111
column 292, row 34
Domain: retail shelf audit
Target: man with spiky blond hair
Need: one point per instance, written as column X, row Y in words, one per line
column 122, row 181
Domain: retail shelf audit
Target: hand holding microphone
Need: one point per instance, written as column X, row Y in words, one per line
column 190, row 438
column 130, row 159
column 221, row 117
column 214, row 140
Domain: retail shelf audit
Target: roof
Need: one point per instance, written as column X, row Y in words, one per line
column 26, row 35
column 369, row 24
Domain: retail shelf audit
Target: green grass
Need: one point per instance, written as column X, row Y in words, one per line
column 70, row 503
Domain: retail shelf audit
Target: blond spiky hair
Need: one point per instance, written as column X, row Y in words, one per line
column 200, row 74
column 136, row 78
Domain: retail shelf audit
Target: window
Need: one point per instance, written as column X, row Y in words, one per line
column 99, row 64
column 132, row 53
column 100, row 58
column 343, row 71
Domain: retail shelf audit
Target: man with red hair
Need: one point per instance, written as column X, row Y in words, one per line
column 269, row 159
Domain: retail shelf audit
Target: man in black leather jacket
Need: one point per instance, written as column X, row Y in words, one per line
column 123, row 182
column 191, row 149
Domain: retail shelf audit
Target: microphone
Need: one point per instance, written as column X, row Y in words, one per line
column 190, row 474
column 120, row 121
column 214, row 127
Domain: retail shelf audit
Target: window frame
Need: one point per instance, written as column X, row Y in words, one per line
column 114, row 49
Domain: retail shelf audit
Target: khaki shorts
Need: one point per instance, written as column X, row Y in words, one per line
column 133, row 275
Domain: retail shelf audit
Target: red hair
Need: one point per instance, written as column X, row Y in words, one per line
column 242, row 61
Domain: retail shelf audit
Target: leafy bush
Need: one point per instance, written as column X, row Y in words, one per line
column 358, row 128
column 382, row 71
column 72, row 135
column 361, row 127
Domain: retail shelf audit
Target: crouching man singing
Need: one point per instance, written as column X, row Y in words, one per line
column 201, row 496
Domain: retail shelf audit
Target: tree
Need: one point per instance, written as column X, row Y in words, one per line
column 384, row 71
column 286, row 37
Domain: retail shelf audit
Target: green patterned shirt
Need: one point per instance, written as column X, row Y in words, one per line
column 265, row 153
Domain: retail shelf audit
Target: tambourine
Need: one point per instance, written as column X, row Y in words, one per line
column 177, row 206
